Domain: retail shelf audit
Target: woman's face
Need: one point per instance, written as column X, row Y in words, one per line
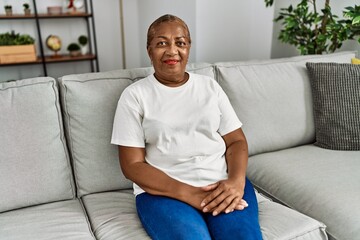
column 169, row 52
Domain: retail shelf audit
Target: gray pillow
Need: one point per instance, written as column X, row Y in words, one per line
column 336, row 100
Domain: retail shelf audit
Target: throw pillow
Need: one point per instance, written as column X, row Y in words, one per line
column 336, row 99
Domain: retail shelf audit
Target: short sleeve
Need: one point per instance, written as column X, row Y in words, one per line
column 228, row 119
column 127, row 126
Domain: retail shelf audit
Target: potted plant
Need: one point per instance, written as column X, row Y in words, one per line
column 8, row 10
column 314, row 32
column 27, row 10
column 74, row 49
column 16, row 48
column 83, row 40
column 12, row 38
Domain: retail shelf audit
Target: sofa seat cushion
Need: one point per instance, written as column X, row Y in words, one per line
column 113, row 217
column 280, row 222
column 89, row 102
column 321, row 183
column 63, row 220
column 35, row 166
column 273, row 99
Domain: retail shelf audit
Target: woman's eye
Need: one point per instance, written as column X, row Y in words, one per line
column 161, row 44
column 181, row 44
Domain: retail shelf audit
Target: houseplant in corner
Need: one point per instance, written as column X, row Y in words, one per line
column 314, row 32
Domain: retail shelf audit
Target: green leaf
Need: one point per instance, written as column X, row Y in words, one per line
column 269, row 3
column 316, row 32
column 356, row 20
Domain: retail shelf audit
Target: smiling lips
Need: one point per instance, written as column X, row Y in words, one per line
column 171, row 61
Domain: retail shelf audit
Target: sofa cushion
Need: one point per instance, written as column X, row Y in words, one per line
column 89, row 102
column 336, row 99
column 34, row 161
column 280, row 222
column 321, row 183
column 64, row 220
column 113, row 217
column 273, row 99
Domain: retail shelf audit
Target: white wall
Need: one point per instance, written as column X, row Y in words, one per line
column 233, row 30
column 107, row 27
column 139, row 14
column 220, row 32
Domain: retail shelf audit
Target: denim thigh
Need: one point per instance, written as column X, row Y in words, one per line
column 167, row 218
column 239, row 224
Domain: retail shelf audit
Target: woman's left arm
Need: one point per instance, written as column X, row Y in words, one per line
column 226, row 195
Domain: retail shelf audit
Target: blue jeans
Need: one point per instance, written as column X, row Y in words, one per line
column 167, row 218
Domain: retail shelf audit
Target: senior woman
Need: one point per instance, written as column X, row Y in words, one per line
column 181, row 144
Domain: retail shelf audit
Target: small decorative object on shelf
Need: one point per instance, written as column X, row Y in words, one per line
column 53, row 10
column 16, row 48
column 74, row 6
column 83, row 40
column 78, row 4
column 53, row 42
column 27, row 9
column 74, row 49
column 8, row 10
column 70, row 6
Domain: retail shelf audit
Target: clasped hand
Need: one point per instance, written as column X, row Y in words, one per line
column 224, row 196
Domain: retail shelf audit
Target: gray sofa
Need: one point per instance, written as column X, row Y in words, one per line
column 60, row 177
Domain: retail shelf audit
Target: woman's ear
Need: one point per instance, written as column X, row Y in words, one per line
column 149, row 53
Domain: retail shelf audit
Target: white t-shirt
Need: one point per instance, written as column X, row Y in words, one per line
column 180, row 127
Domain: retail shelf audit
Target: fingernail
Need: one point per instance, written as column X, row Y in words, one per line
column 227, row 211
column 205, row 210
column 202, row 204
column 215, row 213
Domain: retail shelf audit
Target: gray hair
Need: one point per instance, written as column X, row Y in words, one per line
column 163, row 19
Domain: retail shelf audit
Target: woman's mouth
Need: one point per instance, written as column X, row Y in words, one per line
column 171, row 61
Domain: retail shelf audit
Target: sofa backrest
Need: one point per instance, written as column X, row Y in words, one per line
column 34, row 161
column 273, row 99
column 89, row 102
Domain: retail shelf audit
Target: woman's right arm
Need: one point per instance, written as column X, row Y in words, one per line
column 155, row 181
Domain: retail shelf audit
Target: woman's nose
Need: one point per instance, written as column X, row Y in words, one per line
column 172, row 49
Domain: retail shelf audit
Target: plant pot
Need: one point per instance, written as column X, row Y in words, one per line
column 8, row 12
column 27, row 11
column 75, row 53
column 84, row 50
column 17, row 53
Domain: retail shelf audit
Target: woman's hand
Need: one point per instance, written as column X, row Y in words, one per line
column 226, row 196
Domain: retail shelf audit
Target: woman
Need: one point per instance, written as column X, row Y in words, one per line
column 181, row 144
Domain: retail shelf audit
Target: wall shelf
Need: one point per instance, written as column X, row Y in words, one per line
column 87, row 15
column 51, row 59
column 45, row 15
